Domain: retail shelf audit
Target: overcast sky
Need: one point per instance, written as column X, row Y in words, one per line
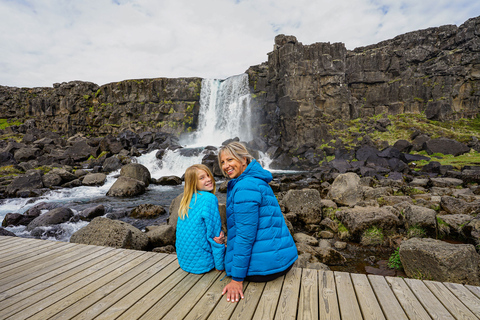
column 48, row 41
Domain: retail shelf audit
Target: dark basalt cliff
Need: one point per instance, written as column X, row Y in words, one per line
column 297, row 93
column 303, row 88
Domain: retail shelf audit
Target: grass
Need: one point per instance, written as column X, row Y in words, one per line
column 416, row 232
column 394, row 260
column 7, row 123
column 373, row 236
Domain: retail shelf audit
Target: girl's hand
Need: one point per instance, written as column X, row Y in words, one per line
column 234, row 291
column 220, row 239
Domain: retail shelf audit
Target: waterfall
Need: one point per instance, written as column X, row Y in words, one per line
column 224, row 111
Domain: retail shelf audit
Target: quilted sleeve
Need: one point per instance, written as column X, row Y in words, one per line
column 213, row 224
column 247, row 202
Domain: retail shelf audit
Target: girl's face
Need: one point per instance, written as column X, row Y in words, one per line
column 231, row 166
column 204, row 182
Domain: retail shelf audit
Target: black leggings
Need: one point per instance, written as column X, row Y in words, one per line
column 268, row 277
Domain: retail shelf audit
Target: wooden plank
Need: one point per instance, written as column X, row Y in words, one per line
column 102, row 299
column 208, row 302
column 392, row 309
column 224, row 309
column 246, row 307
column 24, row 292
column 349, row 308
column 146, row 302
column 137, row 294
column 12, row 247
column 475, row 290
column 50, row 310
column 56, row 262
column 327, row 296
column 185, row 304
column 466, row 296
column 412, row 307
column 449, row 300
column 28, row 256
column 287, row 304
column 428, row 300
column 159, row 309
column 105, row 287
column 53, row 293
column 366, row 297
column 308, row 304
column 268, row 301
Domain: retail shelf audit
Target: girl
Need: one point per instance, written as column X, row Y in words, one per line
column 198, row 223
column 260, row 247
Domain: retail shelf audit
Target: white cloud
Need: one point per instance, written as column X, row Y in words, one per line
column 105, row 41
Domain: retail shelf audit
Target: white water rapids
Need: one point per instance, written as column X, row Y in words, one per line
column 224, row 113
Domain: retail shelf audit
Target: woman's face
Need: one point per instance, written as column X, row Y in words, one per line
column 204, row 182
column 231, row 166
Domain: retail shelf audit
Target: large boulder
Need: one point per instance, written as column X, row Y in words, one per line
column 358, row 219
column 147, row 211
column 346, row 189
column 440, row 261
column 94, row 179
column 112, row 164
column 445, row 146
column 136, row 171
column 458, row 206
column 52, row 217
column 126, row 187
column 306, row 204
column 160, row 236
column 26, row 183
column 422, row 217
column 92, row 212
column 111, row 233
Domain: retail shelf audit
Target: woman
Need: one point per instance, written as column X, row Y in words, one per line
column 199, row 239
column 260, row 247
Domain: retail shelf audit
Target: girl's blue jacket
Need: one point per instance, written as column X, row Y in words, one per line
column 196, row 250
column 259, row 242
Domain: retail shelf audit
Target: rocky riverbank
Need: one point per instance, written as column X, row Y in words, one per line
column 365, row 197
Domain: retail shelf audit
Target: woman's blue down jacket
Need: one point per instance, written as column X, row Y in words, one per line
column 259, row 242
column 196, row 250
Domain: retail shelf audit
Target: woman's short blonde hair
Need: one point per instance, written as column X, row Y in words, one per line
column 190, row 188
column 237, row 150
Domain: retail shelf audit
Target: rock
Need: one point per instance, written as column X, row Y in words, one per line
column 52, row 217
column 126, row 187
column 66, row 175
column 81, row 151
column 93, row 212
column 136, row 171
column 51, row 180
column 173, row 211
column 159, row 236
column 29, row 182
column 147, row 211
column 458, row 206
column 94, row 179
column 445, row 146
column 306, row 204
column 17, row 219
column 27, row 153
column 346, row 189
column 303, row 238
column 169, row 181
column 440, row 261
column 309, row 261
column 358, row 219
column 416, row 216
column 165, row 249
column 455, row 222
column 446, row 182
column 111, row 233
column 112, row 164
column 4, row 232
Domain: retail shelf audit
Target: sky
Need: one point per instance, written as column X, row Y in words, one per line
column 43, row 42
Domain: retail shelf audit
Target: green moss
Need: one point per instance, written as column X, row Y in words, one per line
column 8, row 123
column 416, row 232
column 99, row 92
column 373, row 236
column 86, row 97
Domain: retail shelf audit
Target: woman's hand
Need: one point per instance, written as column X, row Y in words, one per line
column 234, row 291
column 220, row 239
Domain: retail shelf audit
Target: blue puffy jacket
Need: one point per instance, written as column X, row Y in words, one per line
column 196, row 250
column 259, row 242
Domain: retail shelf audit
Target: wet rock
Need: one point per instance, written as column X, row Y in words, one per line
column 126, row 187
column 4, row 232
column 111, row 233
column 28, row 182
column 94, row 179
column 111, row 164
column 169, row 181
column 136, row 171
column 52, row 217
column 93, row 212
column 440, row 261
column 147, row 211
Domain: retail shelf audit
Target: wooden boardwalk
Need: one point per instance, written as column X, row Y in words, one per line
column 55, row 280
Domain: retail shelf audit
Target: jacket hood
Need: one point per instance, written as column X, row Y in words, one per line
column 254, row 170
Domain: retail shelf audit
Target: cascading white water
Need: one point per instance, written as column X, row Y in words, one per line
column 224, row 111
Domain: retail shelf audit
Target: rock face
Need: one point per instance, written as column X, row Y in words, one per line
column 111, row 233
column 440, row 261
